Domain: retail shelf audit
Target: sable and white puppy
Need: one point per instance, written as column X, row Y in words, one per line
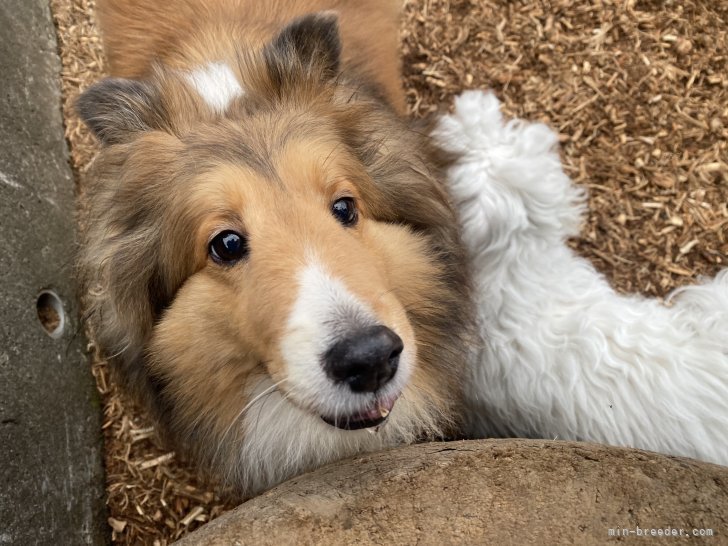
column 272, row 260
column 563, row 355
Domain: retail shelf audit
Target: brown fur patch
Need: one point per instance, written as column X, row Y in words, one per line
column 189, row 33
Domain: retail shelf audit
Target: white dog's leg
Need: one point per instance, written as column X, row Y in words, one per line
column 563, row 355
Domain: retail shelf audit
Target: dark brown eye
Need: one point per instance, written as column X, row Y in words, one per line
column 228, row 247
column 344, row 210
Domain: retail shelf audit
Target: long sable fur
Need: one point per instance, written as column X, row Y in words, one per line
column 158, row 137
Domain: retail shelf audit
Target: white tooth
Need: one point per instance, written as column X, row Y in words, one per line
column 383, row 411
column 372, row 430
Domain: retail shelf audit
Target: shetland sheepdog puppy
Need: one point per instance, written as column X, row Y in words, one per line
column 272, row 260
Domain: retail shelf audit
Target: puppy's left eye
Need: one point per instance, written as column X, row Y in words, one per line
column 344, row 210
column 228, row 247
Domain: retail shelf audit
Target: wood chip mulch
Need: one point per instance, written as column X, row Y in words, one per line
column 637, row 90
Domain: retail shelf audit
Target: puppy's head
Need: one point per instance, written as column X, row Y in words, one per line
column 275, row 271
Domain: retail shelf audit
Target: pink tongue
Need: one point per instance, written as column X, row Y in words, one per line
column 376, row 412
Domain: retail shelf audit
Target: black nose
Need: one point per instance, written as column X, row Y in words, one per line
column 365, row 359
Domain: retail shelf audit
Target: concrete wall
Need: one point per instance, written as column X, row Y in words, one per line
column 51, row 479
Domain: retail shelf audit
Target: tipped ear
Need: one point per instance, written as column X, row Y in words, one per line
column 115, row 109
column 311, row 40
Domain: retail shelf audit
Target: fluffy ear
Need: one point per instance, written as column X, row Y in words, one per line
column 115, row 109
column 309, row 41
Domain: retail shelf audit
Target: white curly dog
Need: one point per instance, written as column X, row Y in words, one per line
column 563, row 355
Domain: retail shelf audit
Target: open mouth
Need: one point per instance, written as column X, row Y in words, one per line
column 368, row 418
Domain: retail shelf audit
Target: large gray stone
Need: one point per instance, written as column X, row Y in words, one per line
column 500, row 492
column 51, row 479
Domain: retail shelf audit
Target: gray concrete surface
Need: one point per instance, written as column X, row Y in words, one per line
column 51, row 478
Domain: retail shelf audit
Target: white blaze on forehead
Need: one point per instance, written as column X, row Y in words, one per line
column 217, row 85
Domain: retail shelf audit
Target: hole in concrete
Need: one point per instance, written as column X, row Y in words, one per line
column 50, row 313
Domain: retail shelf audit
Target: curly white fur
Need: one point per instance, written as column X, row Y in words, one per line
column 563, row 355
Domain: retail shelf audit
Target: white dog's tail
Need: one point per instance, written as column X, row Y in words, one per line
column 530, row 193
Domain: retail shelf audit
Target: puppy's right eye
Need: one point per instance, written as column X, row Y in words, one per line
column 228, row 247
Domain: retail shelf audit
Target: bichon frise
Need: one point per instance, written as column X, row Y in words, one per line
column 563, row 355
